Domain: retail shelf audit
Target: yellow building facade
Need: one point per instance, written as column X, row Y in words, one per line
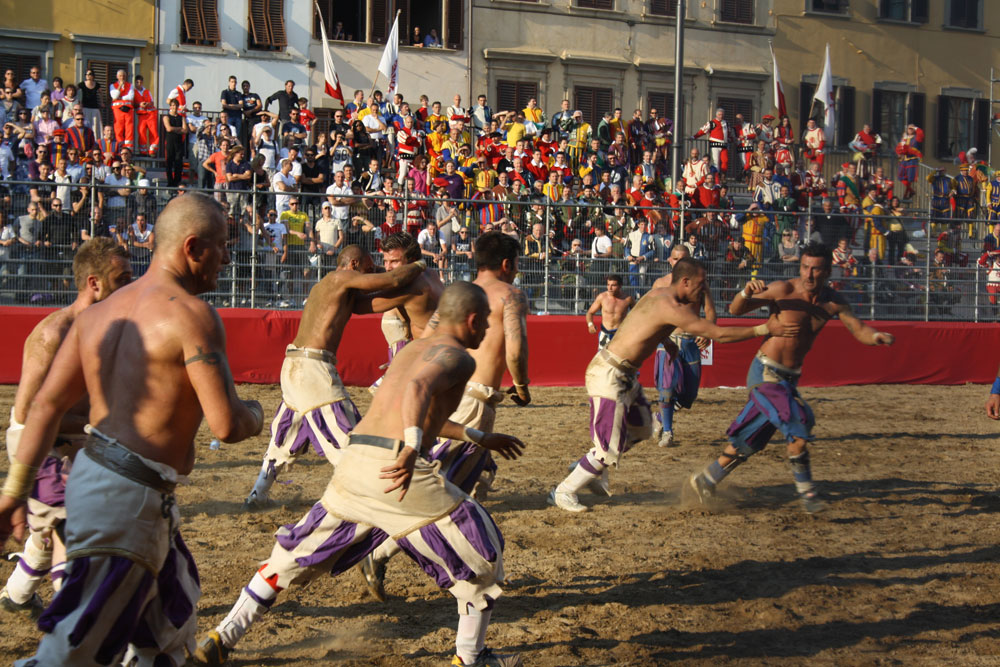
column 895, row 62
column 65, row 37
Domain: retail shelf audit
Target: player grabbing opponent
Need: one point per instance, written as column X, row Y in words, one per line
column 466, row 465
column 448, row 533
column 677, row 364
column 619, row 413
column 409, row 314
column 613, row 305
column 152, row 359
column 807, row 303
column 100, row 267
column 315, row 407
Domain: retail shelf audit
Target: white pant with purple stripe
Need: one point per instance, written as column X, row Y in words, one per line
column 131, row 584
column 619, row 413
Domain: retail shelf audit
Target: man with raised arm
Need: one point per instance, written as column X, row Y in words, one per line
column 151, row 359
column 315, row 407
column 408, row 311
column 505, row 347
column 677, row 364
column 613, row 305
column 806, row 303
column 100, row 267
column 619, row 413
column 447, row 532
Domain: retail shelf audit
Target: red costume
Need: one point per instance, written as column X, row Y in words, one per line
column 122, row 99
column 147, row 131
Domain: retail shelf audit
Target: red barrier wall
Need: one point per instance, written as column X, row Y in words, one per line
column 924, row 353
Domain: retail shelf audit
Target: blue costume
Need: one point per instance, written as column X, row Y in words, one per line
column 677, row 375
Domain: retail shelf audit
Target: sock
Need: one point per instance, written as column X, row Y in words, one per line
column 582, row 474
column 471, row 636
column 385, row 551
column 57, row 574
column 255, row 599
column 265, row 480
column 801, row 472
column 32, row 566
column 667, row 415
column 714, row 472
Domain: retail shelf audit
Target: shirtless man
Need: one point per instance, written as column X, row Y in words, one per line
column 619, row 412
column 406, row 316
column 613, row 306
column 505, row 347
column 152, row 360
column 677, row 364
column 806, row 303
column 315, row 407
column 442, row 528
column 100, row 267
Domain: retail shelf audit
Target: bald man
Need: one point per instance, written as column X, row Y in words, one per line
column 315, row 407
column 448, row 533
column 677, row 364
column 100, row 267
column 152, row 359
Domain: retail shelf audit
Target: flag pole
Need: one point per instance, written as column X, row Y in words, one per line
column 375, row 80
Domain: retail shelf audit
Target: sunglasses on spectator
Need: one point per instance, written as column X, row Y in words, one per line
column 55, row 205
column 293, row 203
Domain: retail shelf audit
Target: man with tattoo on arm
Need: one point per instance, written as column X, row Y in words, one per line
column 151, row 359
column 620, row 415
column 315, row 407
column 448, row 533
column 407, row 315
column 100, row 267
column 505, row 347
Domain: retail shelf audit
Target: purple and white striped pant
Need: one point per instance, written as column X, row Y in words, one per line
column 619, row 412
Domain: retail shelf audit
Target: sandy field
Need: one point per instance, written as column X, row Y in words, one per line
column 902, row 569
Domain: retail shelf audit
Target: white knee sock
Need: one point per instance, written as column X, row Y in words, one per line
column 385, row 551
column 471, row 636
column 32, row 567
column 265, row 480
column 253, row 603
column 577, row 479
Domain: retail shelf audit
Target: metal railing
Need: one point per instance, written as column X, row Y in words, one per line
column 909, row 279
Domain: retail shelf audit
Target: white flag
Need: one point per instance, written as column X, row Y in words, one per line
column 825, row 94
column 779, row 90
column 389, row 66
column 329, row 72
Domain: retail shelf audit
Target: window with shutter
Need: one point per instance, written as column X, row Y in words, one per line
column 735, row 105
column 514, row 95
column 593, row 102
column 956, row 129
column 919, row 12
column 845, row 115
column 915, row 106
column 259, row 38
column 403, row 7
column 210, row 16
column 963, row 14
column 380, row 21
column 192, row 24
column 662, row 102
column 663, row 7
column 913, row 11
column 981, row 126
column 596, row 4
column 736, row 11
column 806, row 107
column 276, row 22
column 455, row 25
column 19, row 62
column 833, row 6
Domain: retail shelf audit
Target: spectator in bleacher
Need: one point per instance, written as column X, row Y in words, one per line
column 432, row 246
column 313, row 183
column 284, row 182
column 250, row 107
column 831, row 225
column 787, row 207
column 79, row 136
column 287, row 100
column 238, row 177
column 33, row 88
column 328, row 237
column 216, row 165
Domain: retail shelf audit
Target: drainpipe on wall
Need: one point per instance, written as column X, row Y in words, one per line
column 468, row 45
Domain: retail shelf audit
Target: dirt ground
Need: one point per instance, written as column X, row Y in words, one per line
column 900, row 570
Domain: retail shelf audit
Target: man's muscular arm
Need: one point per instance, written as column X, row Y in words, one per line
column 515, row 332
column 399, row 277
column 204, row 350
column 507, row 446
column 757, row 294
column 689, row 322
column 861, row 331
column 593, row 310
column 444, row 366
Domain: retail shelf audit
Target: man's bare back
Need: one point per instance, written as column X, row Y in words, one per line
column 506, row 343
column 331, row 301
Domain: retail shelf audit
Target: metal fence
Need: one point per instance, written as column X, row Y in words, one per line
column 919, row 283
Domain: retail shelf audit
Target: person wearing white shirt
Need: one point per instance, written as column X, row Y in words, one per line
column 601, row 246
column 283, row 181
column 276, row 255
column 338, row 195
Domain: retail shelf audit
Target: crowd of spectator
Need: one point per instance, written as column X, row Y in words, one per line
column 583, row 201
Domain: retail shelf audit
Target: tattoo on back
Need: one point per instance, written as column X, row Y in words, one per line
column 446, row 356
column 210, row 358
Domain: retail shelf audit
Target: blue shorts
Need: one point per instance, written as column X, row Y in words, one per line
column 678, row 377
column 774, row 405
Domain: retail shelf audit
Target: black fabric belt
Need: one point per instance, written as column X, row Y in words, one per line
column 112, row 455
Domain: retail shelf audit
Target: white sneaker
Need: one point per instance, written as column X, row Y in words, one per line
column 257, row 502
column 667, row 439
column 566, row 501
column 657, row 425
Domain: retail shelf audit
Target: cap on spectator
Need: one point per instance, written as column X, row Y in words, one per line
column 577, row 114
column 441, row 182
column 62, row 133
column 143, row 183
column 845, row 165
column 328, row 205
column 767, row 118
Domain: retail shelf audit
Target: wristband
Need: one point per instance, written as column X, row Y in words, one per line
column 761, row 330
column 743, row 293
column 20, row 480
column 421, row 263
column 413, row 437
column 996, row 386
column 473, row 435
